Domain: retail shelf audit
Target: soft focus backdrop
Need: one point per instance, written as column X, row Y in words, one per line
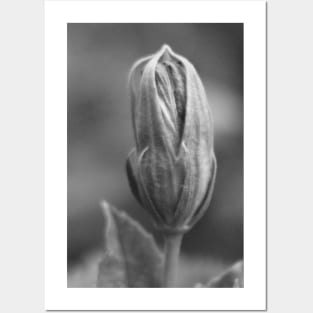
column 100, row 131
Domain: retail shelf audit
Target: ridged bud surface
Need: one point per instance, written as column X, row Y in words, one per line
column 172, row 168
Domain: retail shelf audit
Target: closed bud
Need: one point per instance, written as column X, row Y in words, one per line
column 172, row 168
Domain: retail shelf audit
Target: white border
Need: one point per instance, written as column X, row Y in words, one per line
column 57, row 295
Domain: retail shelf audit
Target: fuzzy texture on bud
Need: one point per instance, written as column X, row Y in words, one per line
column 172, row 168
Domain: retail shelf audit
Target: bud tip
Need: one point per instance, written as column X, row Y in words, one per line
column 166, row 48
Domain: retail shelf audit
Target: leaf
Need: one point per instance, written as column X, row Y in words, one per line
column 131, row 258
column 231, row 278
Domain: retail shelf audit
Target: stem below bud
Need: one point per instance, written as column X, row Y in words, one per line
column 172, row 249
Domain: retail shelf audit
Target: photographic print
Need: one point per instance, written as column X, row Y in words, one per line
column 155, row 159
column 159, row 138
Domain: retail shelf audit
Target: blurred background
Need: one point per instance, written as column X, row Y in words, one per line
column 100, row 131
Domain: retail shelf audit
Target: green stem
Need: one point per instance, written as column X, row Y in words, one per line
column 172, row 249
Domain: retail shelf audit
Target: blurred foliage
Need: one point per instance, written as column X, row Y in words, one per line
column 232, row 277
column 192, row 272
column 100, row 132
column 131, row 257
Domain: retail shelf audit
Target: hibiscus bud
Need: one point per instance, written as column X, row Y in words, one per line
column 172, row 168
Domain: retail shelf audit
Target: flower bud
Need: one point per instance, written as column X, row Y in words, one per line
column 172, row 168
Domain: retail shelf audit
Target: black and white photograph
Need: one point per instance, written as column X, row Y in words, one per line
column 155, row 155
